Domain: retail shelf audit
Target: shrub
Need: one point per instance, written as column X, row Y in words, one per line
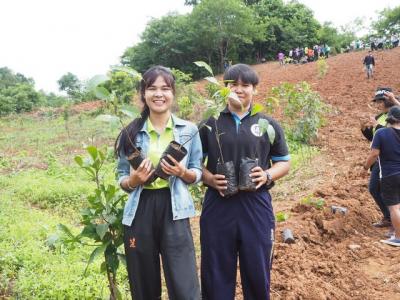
column 303, row 109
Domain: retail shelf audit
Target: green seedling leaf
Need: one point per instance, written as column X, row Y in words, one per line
column 96, row 252
column 266, row 127
column 257, row 107
column 102, row 93
column 212, row 80
column 224, row 92
column 110, row 219
column 92, row 150
column 95, row 81
column 234, row 96
column 203, row 64
column 271, row 133
column 79, row 160
column 319, row 203
column 65, row 230
column 211, row 112
column 89, row 231
column 281, row 216
column 263, row 125
column 101, row 230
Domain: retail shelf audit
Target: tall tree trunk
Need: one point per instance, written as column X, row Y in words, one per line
column 221, row 57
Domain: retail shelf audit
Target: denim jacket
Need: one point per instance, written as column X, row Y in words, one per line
column 182, row 202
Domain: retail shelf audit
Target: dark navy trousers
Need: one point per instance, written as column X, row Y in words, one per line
column 241, row 226
column 375, row 191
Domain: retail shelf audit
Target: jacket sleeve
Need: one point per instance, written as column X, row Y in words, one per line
column 196, row 156
column 123, row 168
column 368, row 133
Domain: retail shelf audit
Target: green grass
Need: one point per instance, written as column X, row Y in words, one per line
column 26, row 141
column 36, row 271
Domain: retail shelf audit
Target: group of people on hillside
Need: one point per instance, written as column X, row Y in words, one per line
column 374, row 44
column 156, row 215
column 383, row 161
column 304, row 55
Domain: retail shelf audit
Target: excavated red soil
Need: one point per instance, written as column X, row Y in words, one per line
column 335, row 256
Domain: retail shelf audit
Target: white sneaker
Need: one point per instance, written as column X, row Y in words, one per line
column 392, row 241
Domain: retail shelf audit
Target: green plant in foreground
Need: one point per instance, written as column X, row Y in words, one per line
column 102, row 220
column 318, row 203
column 322, row 67
column 281, row 216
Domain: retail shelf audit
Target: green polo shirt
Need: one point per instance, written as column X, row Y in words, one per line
column 158, row 143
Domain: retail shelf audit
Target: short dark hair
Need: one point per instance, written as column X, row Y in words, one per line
column 241, row 72
column 393, row 116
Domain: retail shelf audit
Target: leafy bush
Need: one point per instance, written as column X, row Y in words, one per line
column 18, row 98
column 303, row 109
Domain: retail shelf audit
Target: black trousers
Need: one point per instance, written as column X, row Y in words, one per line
column 154, row 233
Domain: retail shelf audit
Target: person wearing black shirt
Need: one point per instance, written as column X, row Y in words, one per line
column 386, row 148
column 368, row 129
column 369, row 63
column 243, row 224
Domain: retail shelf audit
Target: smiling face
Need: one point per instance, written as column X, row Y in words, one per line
column 159, row 96
column 245, row 92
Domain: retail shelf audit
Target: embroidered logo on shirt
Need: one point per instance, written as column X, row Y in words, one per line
column 132, row 243
column 255, row 130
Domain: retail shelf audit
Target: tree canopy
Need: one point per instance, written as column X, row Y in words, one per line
column 17, row 92
column 218, row 30
column 388, row 21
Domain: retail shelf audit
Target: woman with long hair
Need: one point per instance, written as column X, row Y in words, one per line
column 156, row 215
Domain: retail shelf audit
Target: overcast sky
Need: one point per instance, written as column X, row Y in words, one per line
column 44, row 39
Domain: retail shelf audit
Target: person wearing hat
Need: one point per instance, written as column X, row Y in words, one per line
column 384, row 99
column 386, row 149
column 369, row 63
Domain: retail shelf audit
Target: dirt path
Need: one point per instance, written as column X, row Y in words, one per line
column 335, row 256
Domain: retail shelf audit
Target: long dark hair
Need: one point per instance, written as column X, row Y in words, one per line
column 128, row 134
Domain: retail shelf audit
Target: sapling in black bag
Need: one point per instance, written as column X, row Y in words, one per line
column 245, row 181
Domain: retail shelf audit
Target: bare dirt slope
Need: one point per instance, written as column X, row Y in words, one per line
column 335, row 256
